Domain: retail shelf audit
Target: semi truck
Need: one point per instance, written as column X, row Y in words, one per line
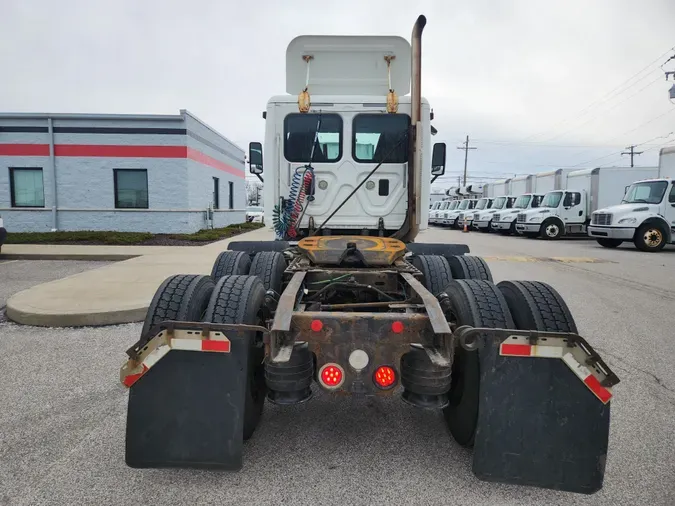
column 646, row 214
column 567, row 211
column 356, row 306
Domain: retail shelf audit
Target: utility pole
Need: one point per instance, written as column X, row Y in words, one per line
column 632, row 153
column 466, row 149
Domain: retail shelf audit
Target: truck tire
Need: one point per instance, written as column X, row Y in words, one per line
column 551, row 229
column 479, row 304
column 537, row 306
column 239, row 299
column 469, row 267
column 182, row 297
column 269, row 266
column 230, row 262
column 609, row 243
column 436, row 272
column 650, row 237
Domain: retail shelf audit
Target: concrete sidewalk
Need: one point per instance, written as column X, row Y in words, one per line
column 116, row 293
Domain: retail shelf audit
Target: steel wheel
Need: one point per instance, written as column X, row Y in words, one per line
column 650, row 237
column 653, row 237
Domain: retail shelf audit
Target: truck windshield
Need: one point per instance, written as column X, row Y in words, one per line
column 482, row 204
column 435, row 205
column 299, row 134
column 645, row 193
column 464, row 204
column 522, row 202
column 453, row 205
column 551, row 199
column 499, row 203
column 376, row 135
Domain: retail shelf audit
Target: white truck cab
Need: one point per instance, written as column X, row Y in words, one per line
column 482, row 220
column 482, row 204
column 646, row 214
column 504, row 221
column 451, row 216
column 349, row 138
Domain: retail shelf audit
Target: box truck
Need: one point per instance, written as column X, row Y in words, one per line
column 568, row 211
column 645, row 216
column 522, row 184
column 504, row 221
column 482, row 220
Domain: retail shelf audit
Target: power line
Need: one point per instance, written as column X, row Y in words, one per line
column 608, row 95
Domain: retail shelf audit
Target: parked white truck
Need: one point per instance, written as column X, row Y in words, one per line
column 521, row 185
column 645, row 216
column 467, row 217
column 504, row 221
column 568, row 211
column 482, row 220
column 451, row 216
column 436, row 215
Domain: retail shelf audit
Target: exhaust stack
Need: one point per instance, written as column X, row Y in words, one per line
column 410, row 227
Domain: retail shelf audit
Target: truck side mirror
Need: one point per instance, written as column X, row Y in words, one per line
column 255, row 158
column 438, row 159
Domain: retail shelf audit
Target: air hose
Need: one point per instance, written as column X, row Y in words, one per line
column 286, row 213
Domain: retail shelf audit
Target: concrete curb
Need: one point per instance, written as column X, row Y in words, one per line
column 102, row 257
column 41, row 319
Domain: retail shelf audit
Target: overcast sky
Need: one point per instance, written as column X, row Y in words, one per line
column 517, row 76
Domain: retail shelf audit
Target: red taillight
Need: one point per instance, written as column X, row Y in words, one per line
column 397, row 327
column 331, row 375
column 385, row 377
column 316, row 325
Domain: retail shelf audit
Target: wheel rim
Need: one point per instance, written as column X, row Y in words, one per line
column 552, row 230
column 653, row 237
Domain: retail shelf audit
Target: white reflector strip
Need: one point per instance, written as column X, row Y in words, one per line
column 187, row 344
column 155, row 355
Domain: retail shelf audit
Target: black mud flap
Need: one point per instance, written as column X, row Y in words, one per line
column 538, row 425
column 253, row 247
column 446, row 250
column 188, row 411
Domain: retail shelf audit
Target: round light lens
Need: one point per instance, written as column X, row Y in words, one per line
column 397, row 327
column 323, row 184
column 331, row 375
column 385, row 377
column 370, row 185
column 316, row 325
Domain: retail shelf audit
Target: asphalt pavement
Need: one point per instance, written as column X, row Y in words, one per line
column 64, row 410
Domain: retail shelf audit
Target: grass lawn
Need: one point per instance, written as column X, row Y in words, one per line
column 130, row 238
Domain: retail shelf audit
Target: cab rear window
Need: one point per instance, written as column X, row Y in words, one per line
column 380, row 138
column 302, row 144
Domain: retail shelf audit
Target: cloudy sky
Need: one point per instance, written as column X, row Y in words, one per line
column 535, row 84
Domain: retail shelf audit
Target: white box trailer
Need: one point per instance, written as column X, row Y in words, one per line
column 521, row 185
column 568, row 210
column 551, row 180
column 501, row 188
column 646, row 214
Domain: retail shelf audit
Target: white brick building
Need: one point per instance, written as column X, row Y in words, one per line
column 151, row 173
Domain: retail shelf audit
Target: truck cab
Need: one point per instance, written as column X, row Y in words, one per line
column 560, row 212
column 483, row 203
column 432, row 210
column 645, row 216
column 482, row 220
column 504, row 221
column 451, row 216
column 348, row 140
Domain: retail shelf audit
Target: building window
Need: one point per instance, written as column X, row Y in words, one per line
column 216, row 193
column 231, row 185
column 27, row 187
column 300, row 133
column 131, row 188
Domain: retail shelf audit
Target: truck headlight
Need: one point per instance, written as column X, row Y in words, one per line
column 536, row 218
column 627, row 220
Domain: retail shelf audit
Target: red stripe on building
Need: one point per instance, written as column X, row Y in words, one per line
column 108, row 151
column 200, row 157
column 516, row 350
column 24, row 149
column 113, row 151
column 214, row 345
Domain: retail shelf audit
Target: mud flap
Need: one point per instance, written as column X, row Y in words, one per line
column 188, row 410
column 446, row 250
column 538, row 425
column 253, row 247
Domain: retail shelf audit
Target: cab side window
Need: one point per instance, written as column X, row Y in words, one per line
column 671, row 195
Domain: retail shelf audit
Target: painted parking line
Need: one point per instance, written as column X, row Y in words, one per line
column 564, row 260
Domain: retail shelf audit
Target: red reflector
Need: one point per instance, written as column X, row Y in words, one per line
column 516, row 350
column 397, row 327
column 331, row 375
column 385, row 377
column 601, row 392
column 316, row 325
column 214, row 345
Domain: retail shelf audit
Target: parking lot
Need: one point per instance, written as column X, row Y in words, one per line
column 64, row 410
